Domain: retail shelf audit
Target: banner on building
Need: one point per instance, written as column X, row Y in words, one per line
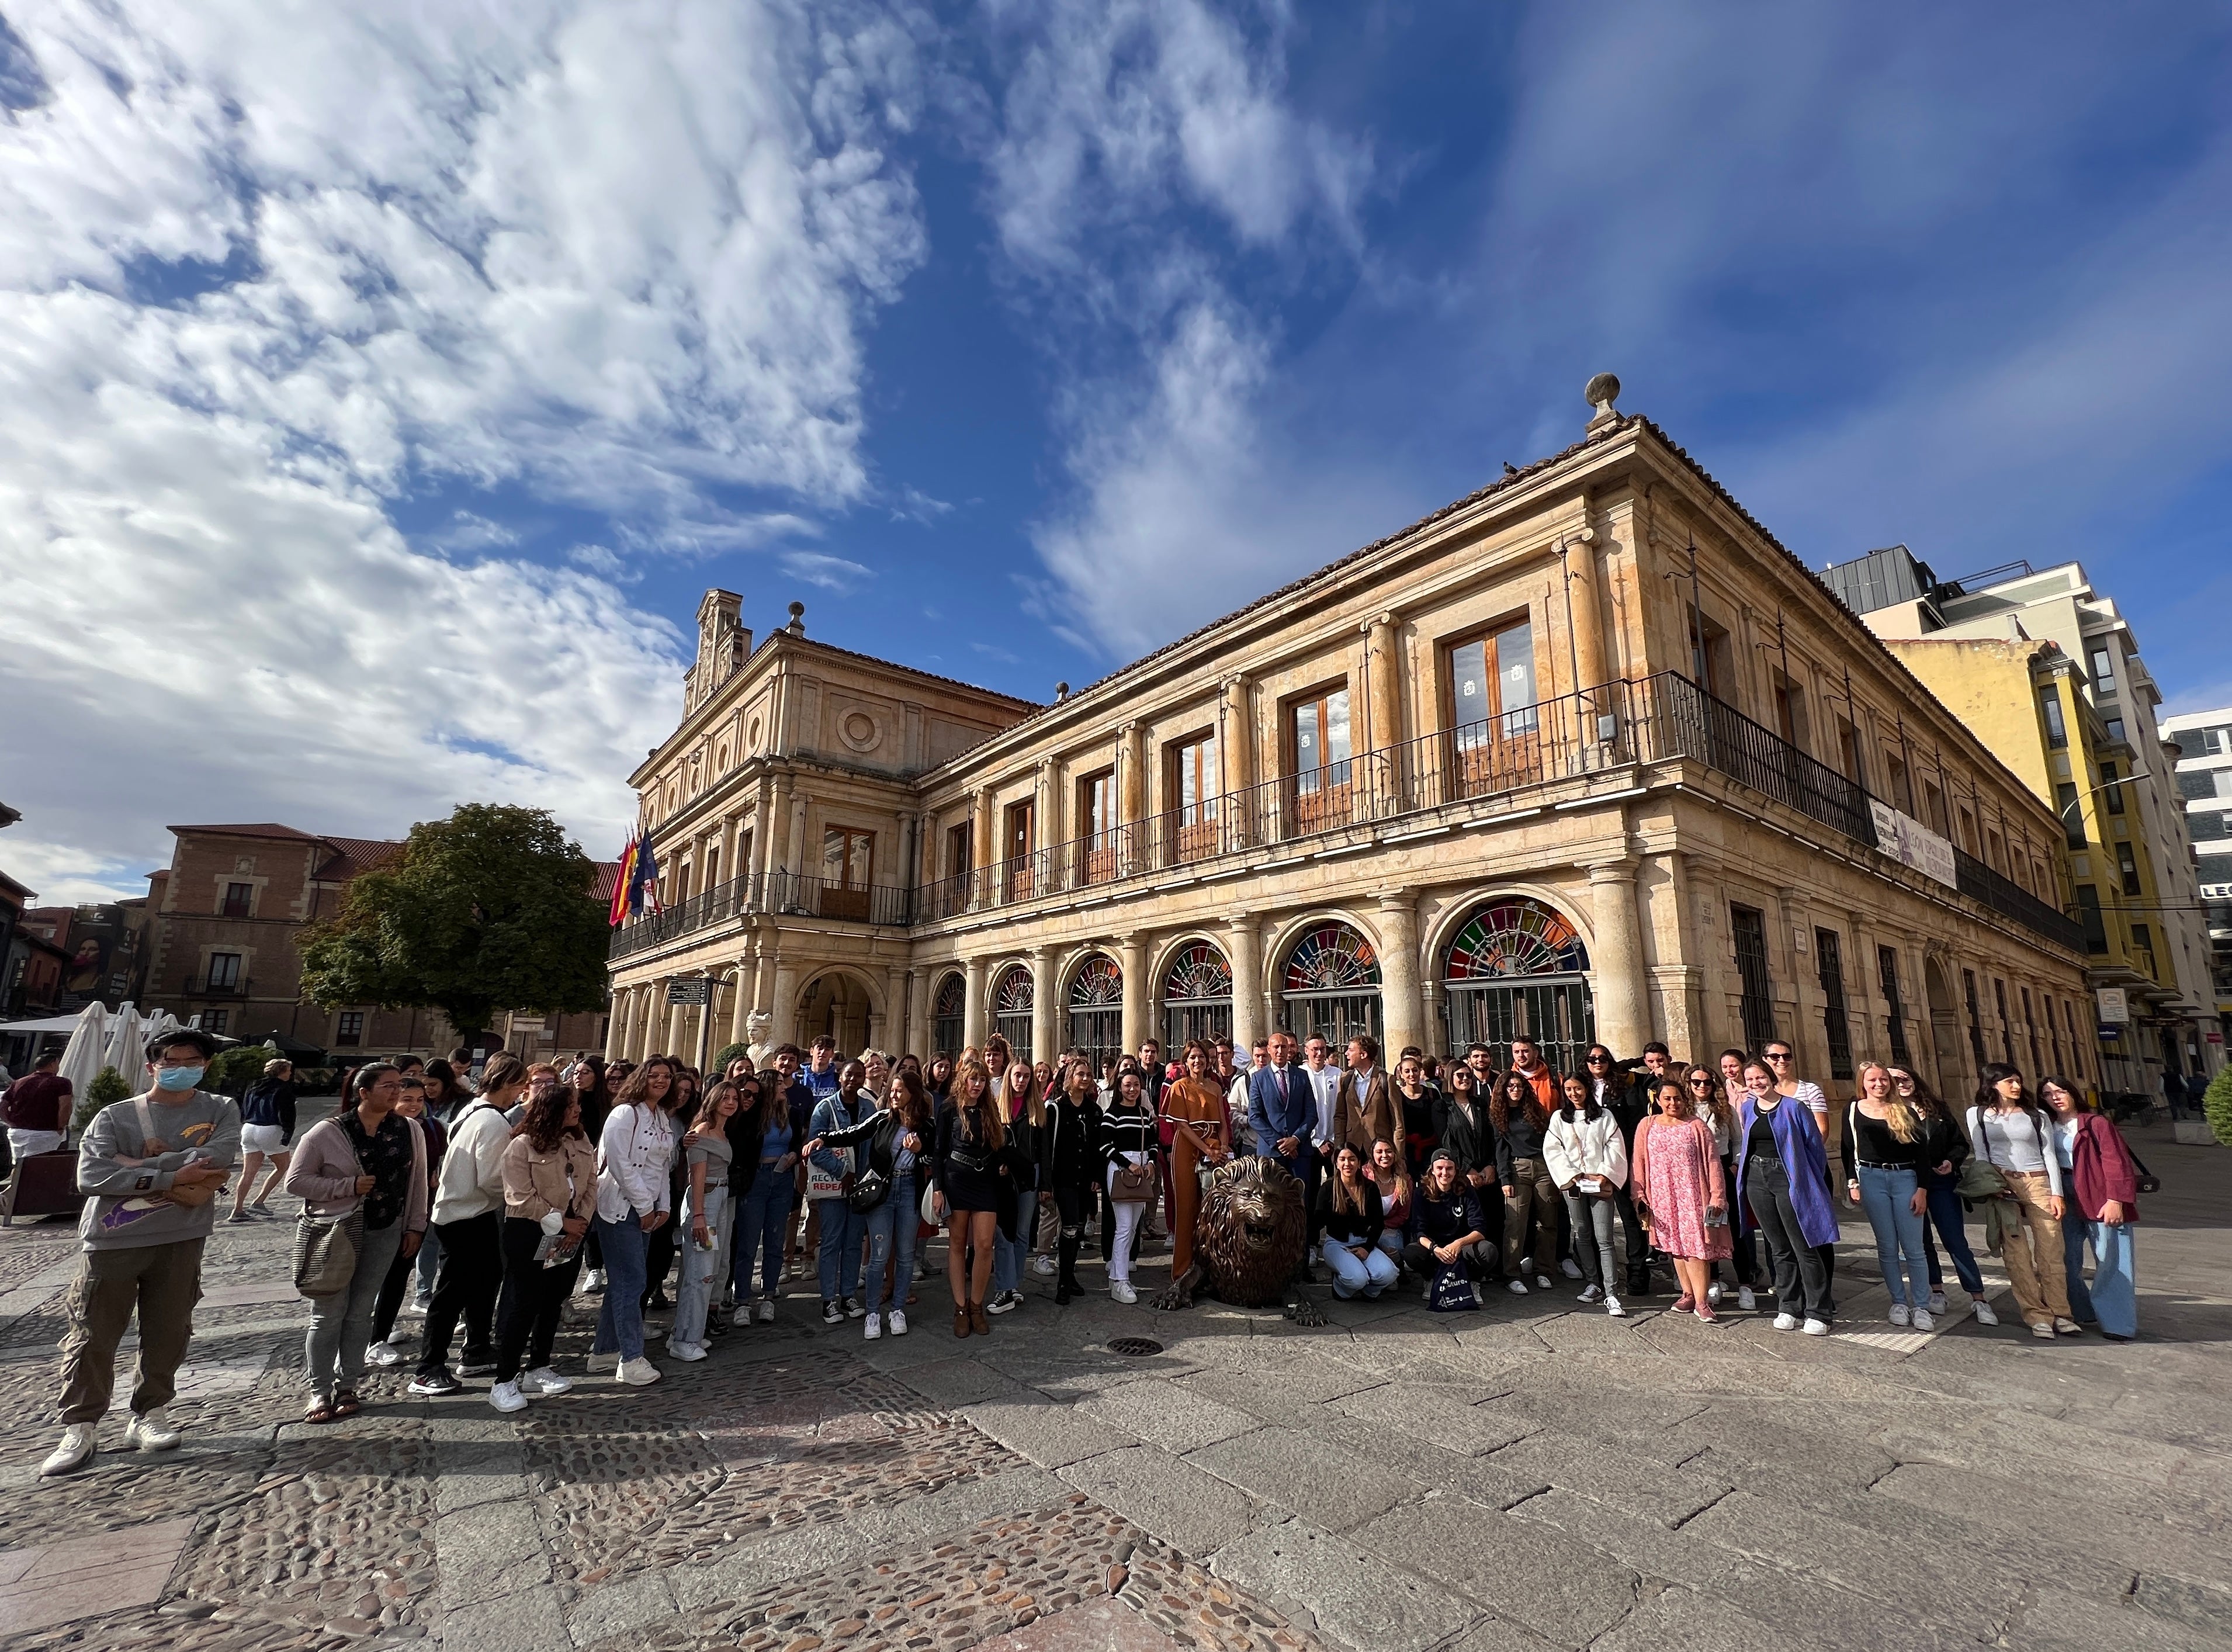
column 1910, row 842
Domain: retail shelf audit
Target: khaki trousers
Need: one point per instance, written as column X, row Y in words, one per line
column 2034, row 1257
column 1534, row 1194
column 163, row 1282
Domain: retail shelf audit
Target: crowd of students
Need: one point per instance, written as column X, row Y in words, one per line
column 1449, row 1177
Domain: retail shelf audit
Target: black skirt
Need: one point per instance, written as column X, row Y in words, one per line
column 975, row 1189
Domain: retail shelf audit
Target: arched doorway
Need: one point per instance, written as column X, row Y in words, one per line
column 837, row 1005
column 1096, row 1009
column 1944, row 1029
column 949, row 1016
column 1516, row 965
column 1011, row 1009
column 1197, row 995
column 1330, row 986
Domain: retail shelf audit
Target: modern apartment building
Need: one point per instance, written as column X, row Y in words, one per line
column 2205, row 785
column 2131, row 881
column 1585, row 754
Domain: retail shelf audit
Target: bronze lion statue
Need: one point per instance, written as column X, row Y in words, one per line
column 1247, row 1242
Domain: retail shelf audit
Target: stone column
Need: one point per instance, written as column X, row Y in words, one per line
column 1582, row 586
column 898, row 1002
column 677, row 1029
column 973, row 1009
column 784, row 1007
column 616, row 1030
column 1132, row 954
column 1383, row 713
column 795, row 858
column 1244, row 945
column 776, row 854
column 1046, row 1033
column 1398, row 972
column 1622, row 1009
column 918, row 1026
column 742, row 1007
column 1131, row 806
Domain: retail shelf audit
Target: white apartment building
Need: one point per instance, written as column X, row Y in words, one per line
column 2205, row 785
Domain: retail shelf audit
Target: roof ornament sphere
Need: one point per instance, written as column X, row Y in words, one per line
column 1602, row 391
column 797, row 626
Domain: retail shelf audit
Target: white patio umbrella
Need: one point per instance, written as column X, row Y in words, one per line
column 124, row 1049
column 86, row 1053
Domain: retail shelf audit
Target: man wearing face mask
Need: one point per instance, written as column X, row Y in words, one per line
column 152, row 1167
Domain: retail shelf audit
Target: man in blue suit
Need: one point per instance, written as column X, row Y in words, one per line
column 1283, row 1112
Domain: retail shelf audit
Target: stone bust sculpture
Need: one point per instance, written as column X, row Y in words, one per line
column 757, row 1043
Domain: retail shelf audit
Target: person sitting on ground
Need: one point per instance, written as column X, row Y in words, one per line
column 1353, row 1222
column 1446, row 1228
column 1386, row 1174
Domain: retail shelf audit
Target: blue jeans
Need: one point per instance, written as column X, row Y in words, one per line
column 1369, row 1274
column 1888, row 1197
column 619, row 1322
column 763, row 1220
column 1949, row 1222
column 429, row 1258
column 892, row 1223
column 701, row 1268
column 1009, row 1255
column 2113, row 1301
column 840, row 1255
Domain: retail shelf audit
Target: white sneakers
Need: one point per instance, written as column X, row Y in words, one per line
column 1747, row 1299
column 687, row 1352
column 1817, row 1328
column 506, row 1397
column 1123, row 1293
column 74, row 1452
column 602, row 1362
column 1571, row 1268
column 875, row 1328
column 1713, row 1293
column 1898, row 1314
column 1542, row 1282
column 593, row 1282
column 1613, row 1308
column 638, row 1373
column 383, row 1355
column 766, row 1310
column 1786, row 1322
column 2066, row 1326
column 1982, row 1312
column 1923, row 1320
column 2044, row 1333
column 1043, row 1267
column 1593, row 1293
column 1517, row 1287
column 543, row 1382
column 153, row 1432
column 1937, row 1302
column 899, row 1322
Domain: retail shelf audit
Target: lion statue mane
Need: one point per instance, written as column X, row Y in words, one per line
column 1248, row 1241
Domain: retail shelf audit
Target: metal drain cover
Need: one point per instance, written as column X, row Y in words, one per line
column 1137, row 1347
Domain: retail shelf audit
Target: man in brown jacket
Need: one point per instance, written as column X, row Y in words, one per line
column 1365, row 1107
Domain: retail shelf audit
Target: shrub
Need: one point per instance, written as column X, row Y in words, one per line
column 728, row 1053
column 235, row 1070
column 108, row 1087
column 2217, row 1106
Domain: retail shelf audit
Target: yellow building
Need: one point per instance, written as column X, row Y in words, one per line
column 2025, row 700
column 1587, row 753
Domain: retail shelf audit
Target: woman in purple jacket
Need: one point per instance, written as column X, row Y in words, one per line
column 2103, row 1180
column 1783, row 1190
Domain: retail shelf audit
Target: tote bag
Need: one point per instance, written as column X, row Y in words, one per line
column 325, row 1246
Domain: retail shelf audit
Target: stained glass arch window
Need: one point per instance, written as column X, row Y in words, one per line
column 1097, row 984
column 1198, row 973
column 1332, row 958
column 1013, row 996
column 1512, row 938
column 952, row 997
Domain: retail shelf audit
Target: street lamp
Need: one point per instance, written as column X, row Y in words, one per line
column 2105, row 785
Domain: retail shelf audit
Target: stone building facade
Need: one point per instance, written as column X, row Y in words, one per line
column 1586, row 754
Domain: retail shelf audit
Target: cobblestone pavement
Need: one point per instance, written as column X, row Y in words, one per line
column 1533, row 1475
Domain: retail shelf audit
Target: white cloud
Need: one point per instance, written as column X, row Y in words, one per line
column 256, row 282
column 829, row 573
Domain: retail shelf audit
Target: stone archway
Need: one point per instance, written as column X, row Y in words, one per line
column 1944, row 1029
column 839, row 1003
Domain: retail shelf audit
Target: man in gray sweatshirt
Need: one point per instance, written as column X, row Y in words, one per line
column 153, row 1166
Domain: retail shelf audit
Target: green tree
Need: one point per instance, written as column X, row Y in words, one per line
column 2216, row 1104
column 728, row 1053
column 108, row 1087
column 490, row 909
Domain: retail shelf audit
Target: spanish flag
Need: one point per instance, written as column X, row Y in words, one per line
column 624, row 884
column 638, row 881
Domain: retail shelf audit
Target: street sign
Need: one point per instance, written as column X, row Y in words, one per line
column 2115, row 1005
column 690, row 990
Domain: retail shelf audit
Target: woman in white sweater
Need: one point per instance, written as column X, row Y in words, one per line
column 1587, row 1157
column 634, row 1200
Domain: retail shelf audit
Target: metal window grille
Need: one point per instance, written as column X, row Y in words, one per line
column 1835, row 1025
column 1748, row 926
column 1894, row 1006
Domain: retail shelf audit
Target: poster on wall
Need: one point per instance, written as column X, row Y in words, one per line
column 1910, row 842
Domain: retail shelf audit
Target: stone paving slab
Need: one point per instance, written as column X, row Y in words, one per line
column 1353, row 1598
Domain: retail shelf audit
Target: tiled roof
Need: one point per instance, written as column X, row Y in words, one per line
column 355, row 856
column 608, row 875
column 267, row 829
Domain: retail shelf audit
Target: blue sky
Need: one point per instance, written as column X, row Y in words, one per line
column 378, row 395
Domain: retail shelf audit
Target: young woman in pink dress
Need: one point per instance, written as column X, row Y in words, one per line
column 1677, row 1182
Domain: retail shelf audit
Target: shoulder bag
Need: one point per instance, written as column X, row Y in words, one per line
column 325, row 1246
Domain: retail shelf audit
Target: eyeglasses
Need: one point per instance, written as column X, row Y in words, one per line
column 1778, row 1055
column 1599, row 1061
column 1701, row 1081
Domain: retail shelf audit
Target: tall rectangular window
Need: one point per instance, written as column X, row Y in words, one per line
column 1894, row 1004
column 1493, row 676
column 1191, row 767
column 1975, row 1016
column 2127, row 868
column 349, row 1028
column 1016, row 832
column 1747, row 925
column 215, row 1021
column 224, row 971
column 1848, row 746
column 2110, row 789
column 1790, row 710
column 2115, row 727
column 2030, row 1029
column 1317, row 732
column 2088, row 916
column 2049, row 706
column 2143, row 943
column 1933, row 808
column 2007, row 1031
column 960, row 848
column 1835, row 1023
column 2053, row 1031
column 239, row 899
column 848, row 861
column 2065, row 802
column 2100, row 663
column 1902, row 789
column 1096, row 813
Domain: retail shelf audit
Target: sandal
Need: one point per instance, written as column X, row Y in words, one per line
column 321, row 1413
column 346, row 1404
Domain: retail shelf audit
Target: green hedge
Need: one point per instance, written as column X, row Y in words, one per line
column 2217, row 1105
column 108, row 1087
column 727, row 1054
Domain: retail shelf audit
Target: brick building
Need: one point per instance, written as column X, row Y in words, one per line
column 224, row 921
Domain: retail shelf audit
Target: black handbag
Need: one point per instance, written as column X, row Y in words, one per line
column 870, row 1189
column 2149, row 1183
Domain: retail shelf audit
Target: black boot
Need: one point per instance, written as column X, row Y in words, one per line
column 1066, row 1286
